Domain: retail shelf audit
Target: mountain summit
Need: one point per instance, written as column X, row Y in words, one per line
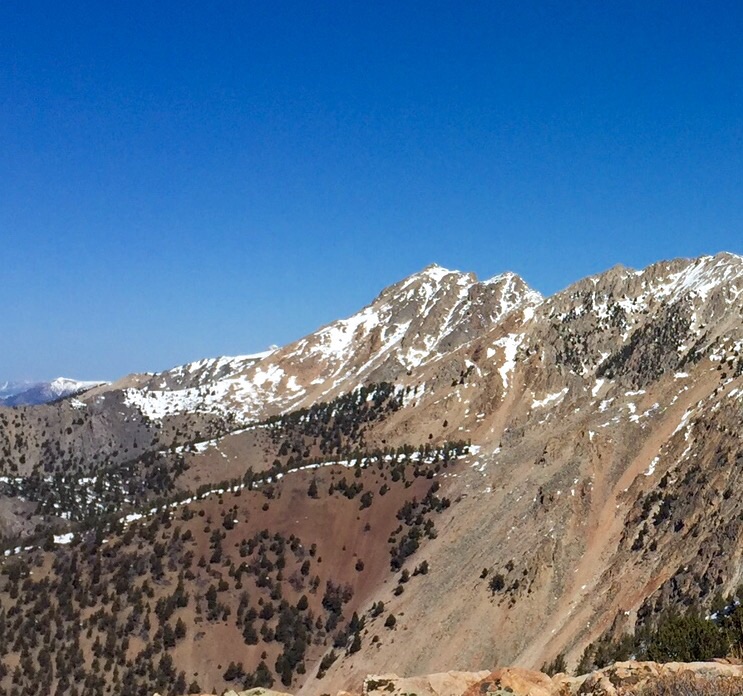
column 410, row 324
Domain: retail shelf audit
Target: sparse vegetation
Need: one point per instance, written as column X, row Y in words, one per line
column 672, row 637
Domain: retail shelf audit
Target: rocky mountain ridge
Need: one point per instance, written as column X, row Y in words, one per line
column 595, row 483
column 433, row 314
column 407, row 326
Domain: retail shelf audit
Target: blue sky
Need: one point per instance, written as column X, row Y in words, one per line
column 184, row 180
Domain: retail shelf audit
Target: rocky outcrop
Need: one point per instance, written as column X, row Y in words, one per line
column 717, row 678
column 621, row 679
column 258, row 691
column 440, row 684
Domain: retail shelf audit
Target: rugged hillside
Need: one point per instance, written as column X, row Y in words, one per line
column 600, row 485
column 605, row 487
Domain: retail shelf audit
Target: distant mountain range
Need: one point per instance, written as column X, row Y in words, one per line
column 34, row 393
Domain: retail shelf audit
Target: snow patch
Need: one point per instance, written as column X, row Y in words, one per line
column 510, row 345
column 550, row 398
column 651, row 469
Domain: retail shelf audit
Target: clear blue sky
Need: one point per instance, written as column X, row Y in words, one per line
column 185, row 179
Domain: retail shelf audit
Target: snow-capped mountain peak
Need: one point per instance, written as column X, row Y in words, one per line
column 408, row 325
column 34, row 393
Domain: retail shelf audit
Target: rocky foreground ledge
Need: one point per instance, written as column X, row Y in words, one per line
column 719, row 678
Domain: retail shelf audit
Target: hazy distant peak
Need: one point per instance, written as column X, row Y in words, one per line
column 34, row 393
